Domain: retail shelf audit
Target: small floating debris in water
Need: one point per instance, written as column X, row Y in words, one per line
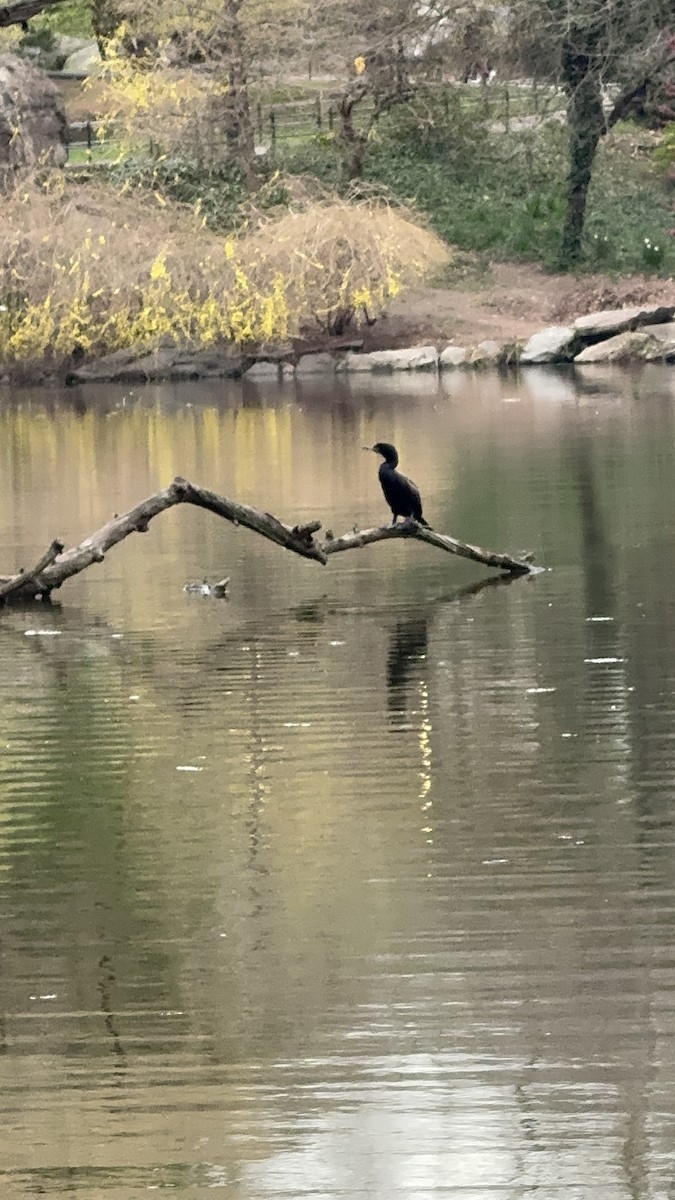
column 597, row 620
column 42, row 632
column 337, row 643
column 134, row 697
column 189, row 768
column 217, row 590
column 44, row 996
column 540, row 691
column 493, row 862
column 600, row 661
column 510, row 399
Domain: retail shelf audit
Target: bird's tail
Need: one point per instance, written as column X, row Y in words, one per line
column 421, row 521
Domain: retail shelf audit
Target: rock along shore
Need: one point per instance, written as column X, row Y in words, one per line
column 624, row 335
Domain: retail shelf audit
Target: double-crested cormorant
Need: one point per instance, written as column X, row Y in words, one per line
column 401, row 494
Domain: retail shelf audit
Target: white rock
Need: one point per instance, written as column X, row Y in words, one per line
column 453, row 356
column 629, row 346
column 484, row 354
column 550, row 345
column 86, row 61
column 615, row 320
column 417, row 358
column 665, row 334
column 263, row 371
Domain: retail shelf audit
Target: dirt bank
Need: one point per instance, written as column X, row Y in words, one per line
column 506, row 301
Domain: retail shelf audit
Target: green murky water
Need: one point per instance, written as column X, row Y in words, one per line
column 361, row 884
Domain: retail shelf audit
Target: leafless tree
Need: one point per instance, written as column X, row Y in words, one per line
column 593, row 48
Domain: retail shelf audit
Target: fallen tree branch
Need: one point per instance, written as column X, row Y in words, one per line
column 18, row 582
column 410, row 529
column 57, row 565
column 94, row 548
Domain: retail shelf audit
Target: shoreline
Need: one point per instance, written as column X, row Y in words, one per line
column 637, row 334
column 482, row 316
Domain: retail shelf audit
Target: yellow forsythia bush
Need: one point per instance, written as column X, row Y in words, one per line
column 82, row 266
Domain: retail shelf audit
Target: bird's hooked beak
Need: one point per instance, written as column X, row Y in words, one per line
column 368, row 448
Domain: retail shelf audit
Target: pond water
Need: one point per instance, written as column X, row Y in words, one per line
column 359, row 884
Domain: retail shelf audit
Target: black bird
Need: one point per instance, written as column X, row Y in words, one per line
column 401, row 494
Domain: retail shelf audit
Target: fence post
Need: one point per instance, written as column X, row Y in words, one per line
column 259, row 119
column 507, row 108
column 273, row 127
column 331, row 117
column 88, row 131
column 319, row 118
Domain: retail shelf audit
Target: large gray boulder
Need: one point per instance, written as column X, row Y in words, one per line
column 665, row 334
column 553, row 345
column 485, row 354
column 170, row 362
column 417, row 358
column 85, row 61
column 453, row 356
column 33, row 128
column 630, row 346
column 616, row 320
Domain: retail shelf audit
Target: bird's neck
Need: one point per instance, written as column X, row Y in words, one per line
column 391, row 462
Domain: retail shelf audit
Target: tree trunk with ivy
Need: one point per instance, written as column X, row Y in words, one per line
column 586, row 127
column 239, row 131
column 106, row 19
column 352, row 141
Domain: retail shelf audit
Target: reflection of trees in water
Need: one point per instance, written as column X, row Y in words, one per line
column 636, row 683
column 598, row 554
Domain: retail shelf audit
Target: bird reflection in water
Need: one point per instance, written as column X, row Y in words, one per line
column 408, row 642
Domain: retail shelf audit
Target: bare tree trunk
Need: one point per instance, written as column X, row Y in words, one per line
column 239, row 126
column 57, row 565
column 586, row 127
column 105, row 18
column 352, row 141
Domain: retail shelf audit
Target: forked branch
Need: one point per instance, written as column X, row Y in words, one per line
column 57, row 564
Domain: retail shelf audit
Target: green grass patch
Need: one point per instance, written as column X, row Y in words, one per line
column 503, row 194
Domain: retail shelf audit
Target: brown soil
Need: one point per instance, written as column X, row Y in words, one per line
column 506, row 302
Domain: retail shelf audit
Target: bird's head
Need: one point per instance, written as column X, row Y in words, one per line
column 388, row 452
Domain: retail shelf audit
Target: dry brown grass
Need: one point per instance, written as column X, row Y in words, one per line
column 85, row 265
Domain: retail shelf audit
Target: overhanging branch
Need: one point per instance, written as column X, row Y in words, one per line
column 16, row 14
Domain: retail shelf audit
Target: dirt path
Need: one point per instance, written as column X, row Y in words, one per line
column 508, row 301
